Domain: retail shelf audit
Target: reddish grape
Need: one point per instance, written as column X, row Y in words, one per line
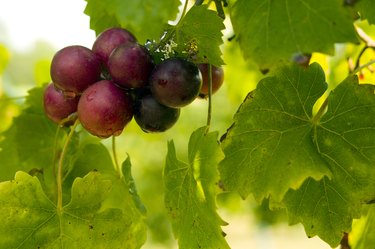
column 175, row 82
column 217, row 77
column 56, row 106
column 104, row 109
column 130, row 65
column 110, row 39
column 154, row 117
column 74, row 68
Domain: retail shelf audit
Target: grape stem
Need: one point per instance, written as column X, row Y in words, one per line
column 209, row 98
column 60, row 166
column 363, row 66
column 171, row 33
column 321, row 111
column 115, row 159
column 369, row 43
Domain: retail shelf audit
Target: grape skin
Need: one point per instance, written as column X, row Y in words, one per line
column 217, row 78
column 130, row 65
column 152, row 116
column 104, row 109
column 56, row 106
column 175, row 82
column 110, row 39
column 74, row 68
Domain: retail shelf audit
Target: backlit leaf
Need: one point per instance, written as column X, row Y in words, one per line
column 190, row 193
column 271, row 32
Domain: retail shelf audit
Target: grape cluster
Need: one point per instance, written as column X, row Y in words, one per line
column 117, row 79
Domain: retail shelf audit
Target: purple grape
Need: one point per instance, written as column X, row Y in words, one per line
column 56, row 106
column 154, row 117
column 175, row 82
column 217, row 77
column 74, row 68
column 104, row 109
column 110, row 39
column 130, row 65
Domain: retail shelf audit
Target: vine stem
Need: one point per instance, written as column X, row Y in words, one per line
column 209, row 98
column 169, row 35
column 321, row 111
column 363, row 66
column 115, row 159
column 60, row 167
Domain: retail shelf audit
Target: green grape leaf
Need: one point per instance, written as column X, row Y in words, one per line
column 31, row 220
column 30, row 142
column 324, row 209
column 269, row 148
column 145, row 19
column 363, row 236
column 324, row 163
column 199, row 32
column 270, row 32
column 190, row 193
column 367, row 10
column 130, row 183
column 345, row 138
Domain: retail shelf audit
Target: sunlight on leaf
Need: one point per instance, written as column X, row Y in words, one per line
column 271, row 32
column 30, row 220
column 190, row 193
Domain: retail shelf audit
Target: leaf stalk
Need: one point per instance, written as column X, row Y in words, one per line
column 209, row 112
column 60, row 166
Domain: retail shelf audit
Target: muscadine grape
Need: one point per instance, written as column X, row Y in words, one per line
column 130, row 65
column 104, row 109
column 74, row 68
column 175, row 82
column 57, row 106
column 152, row 116
column 217, row 78
column 110, row 39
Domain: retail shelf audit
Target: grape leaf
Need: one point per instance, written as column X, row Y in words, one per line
column 145, row 19
column 367, row 10
column 200, row 30
column 345, row 138
column 364, row 236
column 190, row 193
column 269, row 148
column 270, row 32
column 31, row 220
column 275, row 144
column 30, row 142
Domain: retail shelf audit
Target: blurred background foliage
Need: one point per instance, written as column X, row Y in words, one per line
column 23, row 70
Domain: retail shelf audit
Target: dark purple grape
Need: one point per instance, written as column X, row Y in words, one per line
column 130, row 65
column 175, row 82
column 217, row 77
column 74, row 68
column 110, row 39
column 154, row 117
column 56, row 106
column 104, row 109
